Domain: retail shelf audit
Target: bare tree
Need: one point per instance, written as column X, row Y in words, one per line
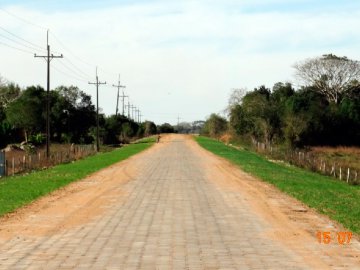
column 331, row 75
column 8, row 92
column 235, row 98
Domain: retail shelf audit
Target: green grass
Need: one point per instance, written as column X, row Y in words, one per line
column 336, row 199
column 146, row 140
column 18, row 191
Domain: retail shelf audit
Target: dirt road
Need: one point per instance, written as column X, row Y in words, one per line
column 174, row 206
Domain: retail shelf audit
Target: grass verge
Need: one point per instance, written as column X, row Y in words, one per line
column 336, row 199
column 18, row 191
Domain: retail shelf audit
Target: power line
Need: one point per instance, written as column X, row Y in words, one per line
column 18, row 37
column 41, row 27
column 80, row 59
column 23, row 20
column 21, row 44
column 78, row 69
column 15, row 48
column 74, row 71
column 75, row 75
column 48, row 58
column 69, row 51
column 69, row 75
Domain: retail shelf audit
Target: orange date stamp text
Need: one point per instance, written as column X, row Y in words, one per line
column 327, row 237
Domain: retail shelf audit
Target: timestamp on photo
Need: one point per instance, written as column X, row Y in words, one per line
column 340, row 237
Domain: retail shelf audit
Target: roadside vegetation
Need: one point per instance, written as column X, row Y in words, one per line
column 20, row 190
column 323, row 111
column 72, row 115
column 341, row 154
column 328, row 196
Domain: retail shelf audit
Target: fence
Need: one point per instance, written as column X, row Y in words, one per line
column 2, row 163
column 20, row 162
column 312, row 162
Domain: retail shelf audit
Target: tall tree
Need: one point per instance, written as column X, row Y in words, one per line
column 215, row 125
column 72, row 114
column 330, row 75
column 26, row 112
column 149, row 128
column 8, row 93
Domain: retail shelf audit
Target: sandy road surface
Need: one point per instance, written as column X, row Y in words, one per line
column 174, row 206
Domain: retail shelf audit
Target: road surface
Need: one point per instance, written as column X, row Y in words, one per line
column 174, row 206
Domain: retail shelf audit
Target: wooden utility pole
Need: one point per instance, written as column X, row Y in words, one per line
column 123, row 103
column 128, row 107
column 97, row 83
column 132, row 111
column 118, row 86
column 138, row 116
column 48, row 58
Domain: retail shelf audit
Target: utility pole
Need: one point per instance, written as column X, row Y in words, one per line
column 117, row 98
column 132, row 111
column 128, row 107
column 138, row 116
column 97, row 83
column 48, row 58
column 123, row 102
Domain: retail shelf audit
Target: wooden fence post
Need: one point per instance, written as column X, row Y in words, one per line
column 340, row 173
column 13, row 166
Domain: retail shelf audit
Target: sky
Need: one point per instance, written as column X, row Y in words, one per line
column 177, row 59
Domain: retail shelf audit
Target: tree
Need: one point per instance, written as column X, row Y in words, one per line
column 215, row 125
column 239, row 121
column 197, row 126
column 304, row 120
column 261, row 115
column 236, row 97
column 8, row 93
column 26, row 112
column 72, row 114
column 184, row 128
column 166, row 128
column 330, row 75
column 113, row 125
column 149, row 128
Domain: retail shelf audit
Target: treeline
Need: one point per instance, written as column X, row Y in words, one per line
column 325, row 111
column 72, row 117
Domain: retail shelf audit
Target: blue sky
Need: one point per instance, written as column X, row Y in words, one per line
column 186, row 54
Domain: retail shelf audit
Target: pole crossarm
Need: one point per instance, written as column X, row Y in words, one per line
column 118, row 86
column 48, row 59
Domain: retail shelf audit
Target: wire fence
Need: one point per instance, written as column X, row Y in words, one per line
column 16, row 162
column 313, row 162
